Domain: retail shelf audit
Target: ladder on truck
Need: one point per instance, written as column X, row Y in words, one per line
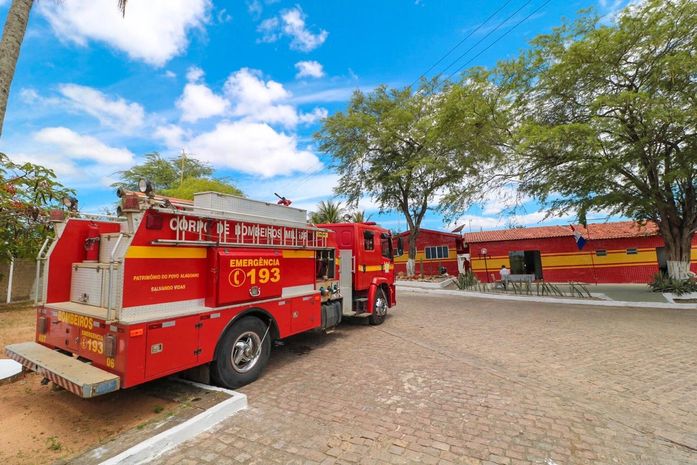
column 293, row 234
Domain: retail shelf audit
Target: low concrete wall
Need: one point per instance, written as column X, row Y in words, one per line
column 22, row 282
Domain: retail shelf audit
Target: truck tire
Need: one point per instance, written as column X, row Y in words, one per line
column 379, row 308
column 242, row 353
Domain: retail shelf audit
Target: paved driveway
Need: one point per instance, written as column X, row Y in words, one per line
column 451, row 380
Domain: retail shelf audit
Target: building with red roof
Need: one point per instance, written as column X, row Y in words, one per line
column 435, row 251
column 620, row 252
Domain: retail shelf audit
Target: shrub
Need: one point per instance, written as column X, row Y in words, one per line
column 467, row 279
column 664, row 283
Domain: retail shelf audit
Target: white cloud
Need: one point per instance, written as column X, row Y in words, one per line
column 113, row 112
column 255, row 8
column 314, row 116
column 78, row 160
column 153, row 31
column 304, row 191
column 269, row 30
column 309, row 69
column 497, row 201
column 194, row 74
column 170, row 74
column 199, row 102
column 294, row 26
column 78, row 147
column 172, row 135
column 254, row 148
column 291, row 23
column 484, row 223
column 223, row 16
column 247, row 89
column 29, row 95
column 336, row 94
column 254, row 99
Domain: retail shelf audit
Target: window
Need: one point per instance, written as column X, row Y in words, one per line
column 435, row 252
column 386, row 245
column 368, row 240
column 324, row 264
column 601, row 253
column 632, row 251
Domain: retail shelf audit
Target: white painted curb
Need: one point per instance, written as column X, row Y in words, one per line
column 157, row 445
column 551, row 300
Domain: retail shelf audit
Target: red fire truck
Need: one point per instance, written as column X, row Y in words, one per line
column 207, row 285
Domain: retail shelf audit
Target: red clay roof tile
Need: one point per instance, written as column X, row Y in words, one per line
column 616, row 230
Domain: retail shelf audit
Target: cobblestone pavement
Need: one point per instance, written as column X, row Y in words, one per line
column 453, row 380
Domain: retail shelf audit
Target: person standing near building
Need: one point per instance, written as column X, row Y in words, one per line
column 504, row 273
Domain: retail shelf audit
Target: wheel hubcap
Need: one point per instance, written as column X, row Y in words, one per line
column 246, row 351
column 380, row 306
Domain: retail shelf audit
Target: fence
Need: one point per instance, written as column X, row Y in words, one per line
column 539, row 288
column 22, row 279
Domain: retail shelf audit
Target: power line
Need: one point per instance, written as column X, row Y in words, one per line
column 498, row 26
column 461, row 42
column 497, row 39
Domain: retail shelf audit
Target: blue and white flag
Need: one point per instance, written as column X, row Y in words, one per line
column 580, row 240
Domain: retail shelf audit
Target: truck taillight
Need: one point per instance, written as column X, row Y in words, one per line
column 110, row 345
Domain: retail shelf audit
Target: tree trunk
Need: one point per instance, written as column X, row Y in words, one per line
column 678, row 249
column 411, row 261
column 12, row 37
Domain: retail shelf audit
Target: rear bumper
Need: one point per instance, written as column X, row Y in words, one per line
column 71, row 374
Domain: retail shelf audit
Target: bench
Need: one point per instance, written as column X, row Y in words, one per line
column 514, row 278
column 520, row 278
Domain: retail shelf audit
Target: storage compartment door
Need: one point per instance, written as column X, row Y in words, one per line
column 87, row 285
column 171, row 346
column 346, row 279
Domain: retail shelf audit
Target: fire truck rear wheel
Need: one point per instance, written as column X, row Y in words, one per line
column 242, row 354
column 379, row 308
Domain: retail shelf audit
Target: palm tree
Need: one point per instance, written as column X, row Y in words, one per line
column 327, row 212
column 11, row 42
column 359, row 217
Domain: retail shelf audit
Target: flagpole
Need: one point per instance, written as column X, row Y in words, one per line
column 590, row 252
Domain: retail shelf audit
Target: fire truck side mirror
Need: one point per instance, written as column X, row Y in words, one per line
column 400, row 246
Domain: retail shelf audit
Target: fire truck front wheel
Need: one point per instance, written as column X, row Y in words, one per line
column 379, row 308
column 242, row 353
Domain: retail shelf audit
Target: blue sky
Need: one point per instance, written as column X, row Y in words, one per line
column 241, row 85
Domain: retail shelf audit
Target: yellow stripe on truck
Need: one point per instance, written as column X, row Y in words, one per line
column 298, row 254
column 138, row 251
column 367, row 268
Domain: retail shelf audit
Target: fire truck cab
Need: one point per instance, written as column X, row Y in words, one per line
column 207, row 285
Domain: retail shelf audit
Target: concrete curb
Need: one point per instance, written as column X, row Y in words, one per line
column 550, row 300
column 157, row 445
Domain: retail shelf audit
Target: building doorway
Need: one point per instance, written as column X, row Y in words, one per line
column 662, row 260
column 526, row 262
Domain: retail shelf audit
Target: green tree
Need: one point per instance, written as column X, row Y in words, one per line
column 327, row 212
column 11, row 42
column 359, row 216
column 164, row 173
column 190, row 186
column 393, row 145
column 27, row 193
column 608, row 119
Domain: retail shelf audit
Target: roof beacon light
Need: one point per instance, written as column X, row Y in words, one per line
column 145, row 187
column 70, row 203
